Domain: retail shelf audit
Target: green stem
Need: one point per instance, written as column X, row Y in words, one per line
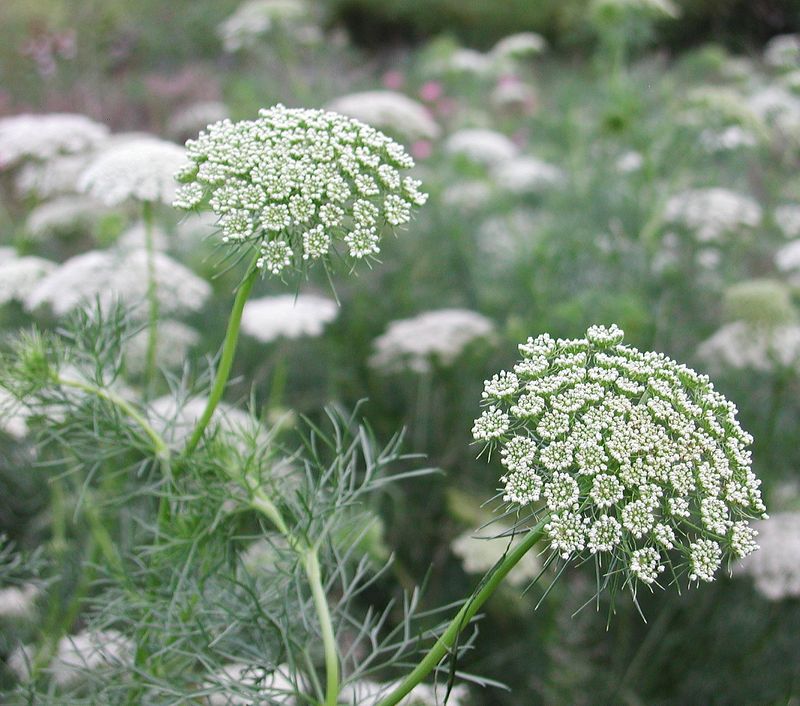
column 310, row 558
column 152, row 298
column 462, row 619
column 311, row 564
column 226, row 359
column 159, row 445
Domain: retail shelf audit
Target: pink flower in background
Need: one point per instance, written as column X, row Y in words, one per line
column 431, row 91
column 446, row 107
column 508, row 80
column 394, row 80
column 421, row 149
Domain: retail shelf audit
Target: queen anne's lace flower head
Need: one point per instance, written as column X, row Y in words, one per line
column 140, row 168
column 631, row 457
column 434, row 336
column 299, row 183
column 711, row 214
column 287, row 316
column 740, row 345
column 482, row 146
column 41, row 137
column 391, row 111
column 18, row 275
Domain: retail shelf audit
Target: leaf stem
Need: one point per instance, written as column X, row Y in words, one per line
column 462, row 619
column 159, row 445
column 226, row 359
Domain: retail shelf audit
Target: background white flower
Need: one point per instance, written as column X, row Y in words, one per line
column 287, row 316
column 437, row 336
column 391, row 111
column 482, row 146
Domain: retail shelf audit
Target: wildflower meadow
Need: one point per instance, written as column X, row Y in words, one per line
column 359, row 353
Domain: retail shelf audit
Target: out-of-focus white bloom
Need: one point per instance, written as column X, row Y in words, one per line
column 519, row 46
column 787, row 218
column 391, row 111
column 247, row 684
column 135, row 237
column 77, row 654
column 287, row 316
column 620, row 445
column 434, row 336
column 13, row 416
column 466, row 61
column 778, row 107
column 190, row 120
column 479, row 145
column 513, row 97
column 45, row 136
column 63, row 214
column 470, row 196
column 254, row 18
column 713, row 213
column 787, row 259
column 783, row 51
column 504, row 238
column 7, row 254
column 479, row 551
column 526, row 175
column 369, row 693
column 299, row 183
column 175, row 339
column 19, row 275
column 740, row 345
column 141, row 169
column 731, row 138
column 175, row 419
column 776, row 567
column 111, row 276
column 630, row 161
column 17, row 602
column 52, row 177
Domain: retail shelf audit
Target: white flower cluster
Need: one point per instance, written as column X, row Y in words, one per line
column 243, row 684
column 297, row 181
column 479, row 551
column 141, row 169
column 63, row 215
column 175, row 339
column 634, row 458
column 78, row 654
column 787, row 218
column 713, row 213
column 118, row 276
column 740, row 345
column 483, row 146
column 370, row 693
column 783, row 51
column 18, row 602
column 391, row 111
column 437, row 336
column 287, row 316
column 254, row 18
column 19, row 275
column 776, row 568
column 57, row 175
column 527, row 175
column 44, row 136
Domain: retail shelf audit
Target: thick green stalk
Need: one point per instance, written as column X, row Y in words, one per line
column 226, row 359
column 152, row 298
column 462, row 619
column 159, row 445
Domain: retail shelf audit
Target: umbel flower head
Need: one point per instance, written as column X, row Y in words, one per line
column 632, row 457
column 299, row 182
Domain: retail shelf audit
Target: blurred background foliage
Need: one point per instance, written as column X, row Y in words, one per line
column 629, row 113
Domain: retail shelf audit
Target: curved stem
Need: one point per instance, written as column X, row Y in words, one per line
column 462, row 619
column 310, row 559
column 226, row 359
column 159, row 445
column 152, row 298
column 311, row 564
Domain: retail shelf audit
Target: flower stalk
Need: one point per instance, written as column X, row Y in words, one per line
column 447, row 641
column 226, row 359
